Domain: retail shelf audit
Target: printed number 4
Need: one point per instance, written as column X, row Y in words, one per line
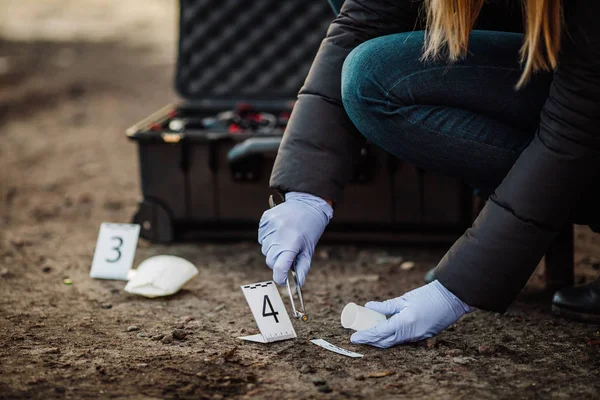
column 117, row 248
column 273, row 313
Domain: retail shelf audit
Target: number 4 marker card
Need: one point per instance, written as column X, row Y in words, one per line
column 269, row 312
column 115, row 250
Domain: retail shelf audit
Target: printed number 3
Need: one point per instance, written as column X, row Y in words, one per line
column 117, row 248
column 273, row 313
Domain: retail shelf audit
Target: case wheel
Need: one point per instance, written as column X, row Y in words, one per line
column 156, row 224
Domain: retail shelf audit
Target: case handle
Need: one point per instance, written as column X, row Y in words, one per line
column 266, row 146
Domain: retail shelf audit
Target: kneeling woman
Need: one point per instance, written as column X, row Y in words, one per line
column 517, row 114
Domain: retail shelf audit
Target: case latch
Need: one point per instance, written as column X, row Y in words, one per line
column 171, row 137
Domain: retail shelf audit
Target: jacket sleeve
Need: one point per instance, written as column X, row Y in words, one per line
column 320, row 146
column 493, row 260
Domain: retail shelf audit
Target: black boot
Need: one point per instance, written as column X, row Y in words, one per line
column 581, row 303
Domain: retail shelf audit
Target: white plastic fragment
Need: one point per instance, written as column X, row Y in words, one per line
column 161, row 276
column 360, row 318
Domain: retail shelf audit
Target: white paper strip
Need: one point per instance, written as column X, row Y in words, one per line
column 326, row 345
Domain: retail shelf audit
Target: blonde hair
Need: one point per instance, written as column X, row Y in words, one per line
column 449, row 23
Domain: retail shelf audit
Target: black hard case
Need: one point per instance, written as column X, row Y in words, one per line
column 206, row 184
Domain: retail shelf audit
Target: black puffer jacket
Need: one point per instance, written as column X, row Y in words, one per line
column 544, row 190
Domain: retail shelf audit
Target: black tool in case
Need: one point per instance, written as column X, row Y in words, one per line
column 205, row 163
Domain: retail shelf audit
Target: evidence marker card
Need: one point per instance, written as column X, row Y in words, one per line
column 115, row 251
column 269, row 313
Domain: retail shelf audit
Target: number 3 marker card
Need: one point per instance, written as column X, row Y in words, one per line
column 269, row 312
column 115, row 251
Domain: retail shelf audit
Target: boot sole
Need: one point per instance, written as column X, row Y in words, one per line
column 575, row 315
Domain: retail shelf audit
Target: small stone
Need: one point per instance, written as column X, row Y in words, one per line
column 382, row 374
column 68, row 201
column 363, row 278
column 431, row 343
column 507, row 338
column 179, row 334
column 387, row 259
column 187, row 319
column 331, row 366
column 454, row 352
column 76, row 90
column 407, row 266
column 45, row 212
column 462, row 360
column 17, row 242
column 317, row 381
column 142, row 335
column 167, row 339
column 483, row 349
column 53, row 350
column 158, row 336
column 132, row 328
column 193, row 325
column 307, row 369
column 113, row 205
column 85, row 198
column 60, row 389
column 106, row 306
column 141, row 365
column 324, row 389
column 323, row 255
column 46, row 269
column 5, row 273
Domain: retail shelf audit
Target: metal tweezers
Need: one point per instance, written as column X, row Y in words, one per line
column 300, row 312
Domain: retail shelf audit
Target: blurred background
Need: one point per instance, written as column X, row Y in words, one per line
column 74, row 74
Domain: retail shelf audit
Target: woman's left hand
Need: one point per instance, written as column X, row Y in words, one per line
column 418, row 314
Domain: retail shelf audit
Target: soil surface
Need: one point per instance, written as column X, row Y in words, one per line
column 66, row 167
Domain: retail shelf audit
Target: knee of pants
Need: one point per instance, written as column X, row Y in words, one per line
column 365, row 86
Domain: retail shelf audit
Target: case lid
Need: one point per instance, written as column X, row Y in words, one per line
column 248, row 49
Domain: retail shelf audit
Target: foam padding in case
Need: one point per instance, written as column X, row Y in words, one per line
column 248, row 49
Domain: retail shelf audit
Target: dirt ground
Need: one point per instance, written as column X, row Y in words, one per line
column 66, row 166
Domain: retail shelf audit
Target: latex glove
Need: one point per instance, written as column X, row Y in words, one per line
column 290, row 231
column 418, row 314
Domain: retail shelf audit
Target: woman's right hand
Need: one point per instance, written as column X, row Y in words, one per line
column 290, row 231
